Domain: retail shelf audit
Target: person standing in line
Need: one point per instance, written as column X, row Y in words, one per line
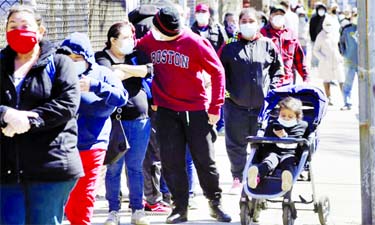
column 303, row 26
column 331, row 63
column 134, row 117
column 39, row 98
column 315, row 27
column 349, row 49
column 287, row 45
column 101, row 93
column 184, row 115
column 252, row 66
column 216, row 34
column 291, row 18
column 230, row 24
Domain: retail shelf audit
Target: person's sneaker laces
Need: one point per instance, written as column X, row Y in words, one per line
column 139, row 218
column 236, row 188
column 113, row 218
column 286, row 180
column 252, row 177
column 157, row 208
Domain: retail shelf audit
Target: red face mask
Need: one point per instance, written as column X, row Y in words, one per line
column 22, row 41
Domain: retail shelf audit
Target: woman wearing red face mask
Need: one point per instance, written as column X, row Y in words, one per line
column 39, row 97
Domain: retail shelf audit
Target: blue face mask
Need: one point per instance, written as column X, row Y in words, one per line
column 80, row 67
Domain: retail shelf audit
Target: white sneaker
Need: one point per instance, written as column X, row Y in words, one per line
column 113, row 218
column 252, row 177
column 286, row 180
column 139, row 218
column 236, row 188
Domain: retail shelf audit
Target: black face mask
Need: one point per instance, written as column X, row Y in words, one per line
column 334, row 11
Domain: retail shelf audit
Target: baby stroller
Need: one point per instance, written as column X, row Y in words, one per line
column 253, row 200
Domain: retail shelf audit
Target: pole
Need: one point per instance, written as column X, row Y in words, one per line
column 366, row 76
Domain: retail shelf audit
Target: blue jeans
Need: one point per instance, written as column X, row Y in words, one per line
column 138, row 134
column 34, row 202
column 190, row 169
column 351, row 71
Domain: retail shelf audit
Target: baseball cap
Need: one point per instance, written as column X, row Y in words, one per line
column 202, row 7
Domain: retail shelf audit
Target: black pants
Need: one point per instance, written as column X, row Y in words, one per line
column 175, row 130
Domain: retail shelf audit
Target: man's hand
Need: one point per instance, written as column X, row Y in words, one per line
column 84, row 83
column 212, row 119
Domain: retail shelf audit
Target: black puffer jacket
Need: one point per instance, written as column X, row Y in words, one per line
column 49, row 152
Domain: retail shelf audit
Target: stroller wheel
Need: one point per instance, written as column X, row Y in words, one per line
column 323, row 210
column 249, row 212
column 287, row 215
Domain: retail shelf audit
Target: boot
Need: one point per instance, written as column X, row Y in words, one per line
column 178, row 215
column 217, row 212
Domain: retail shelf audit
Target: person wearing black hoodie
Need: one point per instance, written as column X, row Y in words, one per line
column 316, row 25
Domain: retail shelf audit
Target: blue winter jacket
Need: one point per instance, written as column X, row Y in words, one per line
column 106, row 94
column 349, row 43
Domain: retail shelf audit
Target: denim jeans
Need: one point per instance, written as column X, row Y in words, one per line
column 239, row 123
column 190, row 169
column 34, row 202
column 351, row 71
column 138, row 134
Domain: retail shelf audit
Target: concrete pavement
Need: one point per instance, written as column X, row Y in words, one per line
column 336, row 170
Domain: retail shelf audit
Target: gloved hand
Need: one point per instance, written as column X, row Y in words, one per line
column 8, row 131
column 19, row 120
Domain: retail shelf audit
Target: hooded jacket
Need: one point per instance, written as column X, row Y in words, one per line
column 48, row 152
column 105, row 95
column 316, row 23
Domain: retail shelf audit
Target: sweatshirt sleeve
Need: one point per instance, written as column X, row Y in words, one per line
column 212, row 65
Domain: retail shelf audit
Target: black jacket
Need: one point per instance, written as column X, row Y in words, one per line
column 316, row 25
column 251, row 69
column 48, row 152
column 216, row 34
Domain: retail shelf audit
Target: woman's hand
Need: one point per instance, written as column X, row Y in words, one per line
column 17, row 121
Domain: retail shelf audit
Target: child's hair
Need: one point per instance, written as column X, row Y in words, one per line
column 292, row 104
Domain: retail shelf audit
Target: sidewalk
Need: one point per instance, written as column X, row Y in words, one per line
column 336, row 168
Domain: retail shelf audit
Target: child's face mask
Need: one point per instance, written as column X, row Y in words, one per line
column 287, row 123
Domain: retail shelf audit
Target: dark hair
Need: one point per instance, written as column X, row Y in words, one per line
column 292, row 104
column 24, row 8
column 115, row 29
column 249, row 11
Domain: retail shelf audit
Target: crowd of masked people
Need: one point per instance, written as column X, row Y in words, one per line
column 158, row 95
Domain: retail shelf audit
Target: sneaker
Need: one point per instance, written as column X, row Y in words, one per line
column 346, row 107
column 139, row 218
column 236, row 188
column 157, row 208
column 252, row 177
column 192, row 203
column 286, row 180
column 113, row 218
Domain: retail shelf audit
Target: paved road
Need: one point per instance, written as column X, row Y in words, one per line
column 336, row 170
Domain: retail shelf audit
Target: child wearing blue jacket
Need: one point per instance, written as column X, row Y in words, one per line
column 101, row 94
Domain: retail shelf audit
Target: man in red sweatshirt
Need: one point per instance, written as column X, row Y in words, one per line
column 185, row 116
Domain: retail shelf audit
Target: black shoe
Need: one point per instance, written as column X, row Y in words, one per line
column 177, row 216
column 217, row 212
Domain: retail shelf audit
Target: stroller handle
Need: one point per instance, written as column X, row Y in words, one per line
column 274, row 140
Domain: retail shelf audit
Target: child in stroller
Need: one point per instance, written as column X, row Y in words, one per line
column 260, row 186
column 288, row 124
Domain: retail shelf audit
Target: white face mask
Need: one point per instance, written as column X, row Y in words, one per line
column 248, row 30
column 278, row 21
column 321, row 12
column 287, row 123
column 80, row 67
column 202, row 18
column 127, row 46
